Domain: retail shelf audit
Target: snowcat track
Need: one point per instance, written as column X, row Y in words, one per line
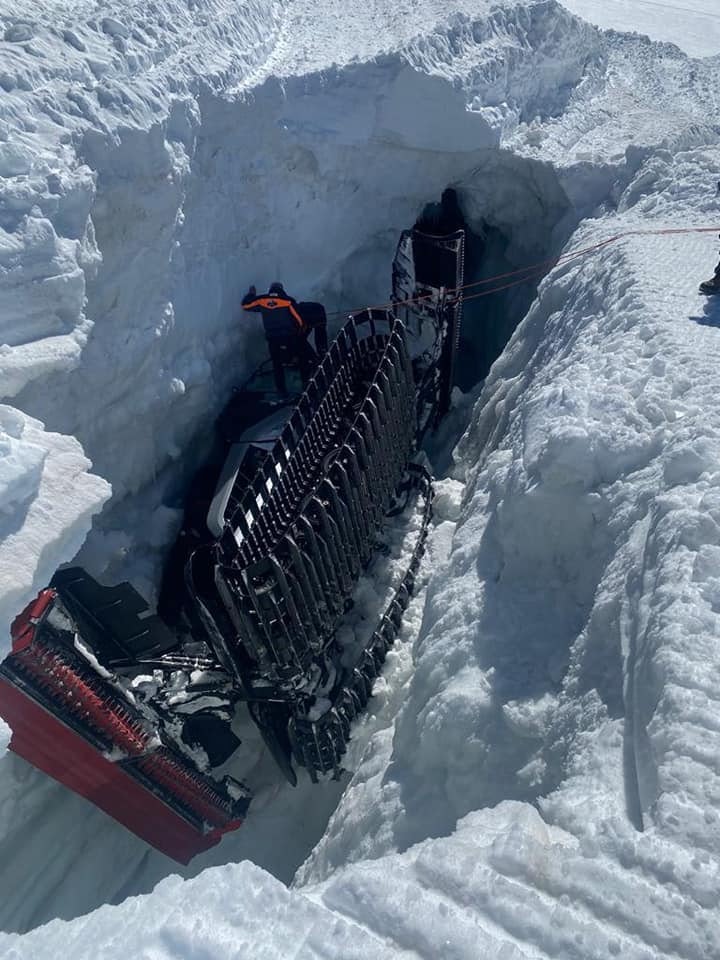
column 308, row 523
column 259, row 580
column 319, row 745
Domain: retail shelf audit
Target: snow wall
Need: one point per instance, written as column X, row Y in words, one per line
column 549, row 788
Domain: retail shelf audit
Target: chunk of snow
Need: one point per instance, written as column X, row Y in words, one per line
column 47, row 501
column 447, row 499
column 113, row 27
column 18, row 33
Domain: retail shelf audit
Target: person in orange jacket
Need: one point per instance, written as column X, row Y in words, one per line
column 285, row 331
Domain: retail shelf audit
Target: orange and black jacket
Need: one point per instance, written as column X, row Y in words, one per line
column 281, row 318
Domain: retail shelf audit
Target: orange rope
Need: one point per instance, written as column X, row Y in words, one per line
column 528, row 272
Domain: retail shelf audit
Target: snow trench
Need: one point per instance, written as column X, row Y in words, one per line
column 170, row 207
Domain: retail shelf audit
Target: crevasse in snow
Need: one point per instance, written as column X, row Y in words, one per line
column 549, row 787
column 152, row 172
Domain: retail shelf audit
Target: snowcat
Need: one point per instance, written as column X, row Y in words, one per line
column 136, row 711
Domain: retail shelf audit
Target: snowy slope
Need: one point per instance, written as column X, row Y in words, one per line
column 549, row 787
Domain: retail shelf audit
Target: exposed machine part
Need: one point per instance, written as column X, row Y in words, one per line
column 74, row 722
column 136, row 711
column 428, row 279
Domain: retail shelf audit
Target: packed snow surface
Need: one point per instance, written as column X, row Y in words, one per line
column 230, row 912
column 692, row 24
column 539, row 776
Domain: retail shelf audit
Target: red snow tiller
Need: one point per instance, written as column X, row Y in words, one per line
column 139, row 712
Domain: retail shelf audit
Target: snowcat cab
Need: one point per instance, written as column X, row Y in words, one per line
column 138, row 712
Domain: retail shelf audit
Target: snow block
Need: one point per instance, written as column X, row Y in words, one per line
column 48, row 499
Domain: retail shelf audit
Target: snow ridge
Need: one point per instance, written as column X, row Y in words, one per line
column 252, row 914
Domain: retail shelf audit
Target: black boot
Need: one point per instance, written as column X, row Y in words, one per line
column 711, row 286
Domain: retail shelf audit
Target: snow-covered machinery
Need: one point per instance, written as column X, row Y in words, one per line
column 138, row 712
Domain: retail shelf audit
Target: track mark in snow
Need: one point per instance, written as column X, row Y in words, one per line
column 633, row 628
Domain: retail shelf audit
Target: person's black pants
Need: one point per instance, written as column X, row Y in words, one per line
column 314, row 315
column 321, row 341
column 286, row 350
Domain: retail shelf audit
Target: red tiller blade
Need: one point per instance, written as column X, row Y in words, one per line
column 67, row 725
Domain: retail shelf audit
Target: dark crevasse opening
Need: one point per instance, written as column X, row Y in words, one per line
column 492, row 309
column 516, row 218
column 443, row 216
